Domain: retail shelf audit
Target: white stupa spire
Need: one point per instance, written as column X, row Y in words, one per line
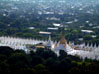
column 95, row 45
column 49, row 43
column 88, row 45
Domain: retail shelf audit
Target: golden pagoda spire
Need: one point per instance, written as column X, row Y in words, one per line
column 63, row 41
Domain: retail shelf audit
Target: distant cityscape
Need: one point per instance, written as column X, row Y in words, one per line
column 31, row 21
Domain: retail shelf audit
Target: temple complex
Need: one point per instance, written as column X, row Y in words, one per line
column 83, row 50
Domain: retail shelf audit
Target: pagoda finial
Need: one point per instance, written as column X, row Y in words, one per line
column 63, row 31
column 63, row 41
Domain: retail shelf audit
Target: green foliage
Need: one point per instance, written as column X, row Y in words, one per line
column 43, row 61
column 62, row 55
column 7, row 51
column 88, row 37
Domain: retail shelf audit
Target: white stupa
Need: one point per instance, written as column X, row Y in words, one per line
column 49, row 43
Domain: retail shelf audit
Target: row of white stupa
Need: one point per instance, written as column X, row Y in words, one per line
column 19, row 43
column 84, row 51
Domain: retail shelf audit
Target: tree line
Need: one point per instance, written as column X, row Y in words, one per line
column 43, row 61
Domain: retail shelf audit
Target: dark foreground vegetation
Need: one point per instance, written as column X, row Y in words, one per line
column 43, row 62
